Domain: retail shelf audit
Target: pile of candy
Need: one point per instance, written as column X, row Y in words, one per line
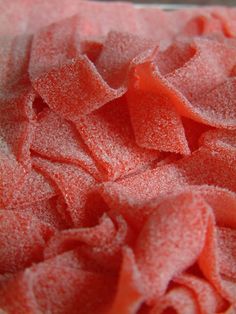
column 117, row 159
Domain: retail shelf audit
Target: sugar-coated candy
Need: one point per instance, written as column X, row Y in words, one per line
column 57, row 285
column 22, row 240
column 159, row 251
column 117, row 158
column 108, row 134
column 58, row 139
column 76, row 186
column 155, row 121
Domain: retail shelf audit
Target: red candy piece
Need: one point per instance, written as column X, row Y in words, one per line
column 58, row 285
column 223, row 203
column 170, row 241
column 54, row 46
column 97, row 236
column 222, row 141
column 109, row 255
column 206, row 296
column 179, row 300
column 131, row 195
column 129, row 294
column 16, row 133
column 35, row 188
column 57, row 139
column 65, row 92
column 117, row 55
column 77, row 188
column 227, row 252
column 117, row 159
column 46, row 211
column 108, row 134
column 155, row 121
column 193, row 131
column 22, row 240
column 198, row 98
column 209, row 262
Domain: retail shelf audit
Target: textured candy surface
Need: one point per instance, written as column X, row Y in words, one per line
column 108, row 134
column 117, row 158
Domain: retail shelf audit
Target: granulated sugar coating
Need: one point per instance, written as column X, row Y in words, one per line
column 117, row 159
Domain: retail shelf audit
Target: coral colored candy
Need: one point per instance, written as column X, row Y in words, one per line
column 97, row 236
column 155, row 121
column 222, row 201
column 57, row 285
column 193, row 131
column 117, row 158
column 209, row 262
column 206, row 296
column 129, row 295
column 72, row 97
column 170, row 241
column 223, row 141
column 58, row 139
column 54, row 46
column 35, row 188
column 16, row 131
column 109, row 256
column 22, row 240
column 130, row 196
column 108, row 134
column 227, row 254
column 117, row 55
column 200, row 97
column 179, row 300
column 45, row 210
column 76, row 186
